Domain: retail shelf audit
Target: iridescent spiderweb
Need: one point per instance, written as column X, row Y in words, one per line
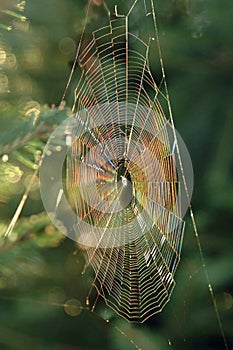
column 123, row 175
column 129, row 178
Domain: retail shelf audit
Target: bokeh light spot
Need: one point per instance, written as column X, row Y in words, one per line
column 32, row 179
column 21, row 6
column 73, row 307
column 228, row 300
column 49, row 229
column 58, row 148
column 10, row 61
column 13, row 174
column 67, row 46
column 33, row 219
column 2, row 56
column 5, row 158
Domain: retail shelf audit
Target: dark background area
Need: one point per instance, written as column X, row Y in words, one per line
column 39, row 271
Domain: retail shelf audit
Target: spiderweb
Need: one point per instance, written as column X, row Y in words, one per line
column 124, row 172
column 123, row 177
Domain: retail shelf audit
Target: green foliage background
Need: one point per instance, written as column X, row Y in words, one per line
column 39, row 271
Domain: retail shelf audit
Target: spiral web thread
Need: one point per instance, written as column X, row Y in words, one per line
column 134, row 174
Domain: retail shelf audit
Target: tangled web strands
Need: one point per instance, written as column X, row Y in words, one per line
column 123, row 177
